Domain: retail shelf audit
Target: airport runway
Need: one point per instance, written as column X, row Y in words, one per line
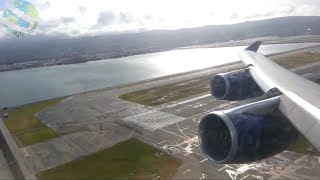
column 98, row 120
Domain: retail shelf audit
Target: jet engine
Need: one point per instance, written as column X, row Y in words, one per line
column 234, row 86
column 247, row 133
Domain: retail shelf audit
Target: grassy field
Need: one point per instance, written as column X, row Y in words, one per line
column 175, row 91
column 301, row 146
column 25, row 127
column 131, row 159
column 169, row 92
column 298, row 60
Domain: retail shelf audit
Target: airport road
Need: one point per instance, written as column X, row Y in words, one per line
column 98, row 120
column 5, row 172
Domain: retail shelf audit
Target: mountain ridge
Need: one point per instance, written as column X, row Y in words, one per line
column 44, row 51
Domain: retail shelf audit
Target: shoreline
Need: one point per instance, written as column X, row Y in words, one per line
column 157, row 78
column 214, row 45
column 127, row 84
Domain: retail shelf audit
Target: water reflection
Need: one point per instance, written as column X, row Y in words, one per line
column 26, row 86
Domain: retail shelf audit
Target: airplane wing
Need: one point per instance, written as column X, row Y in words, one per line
column 264, row 128
column 300, row 99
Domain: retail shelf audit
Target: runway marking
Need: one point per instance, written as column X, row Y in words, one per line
column 194, row 99
column 204, row 160
column 186, row 171
column 244, row 177
column 156, row 178
column 130, row 135
column 192, row 131
column 153, row 120
column 67, row 99
column 174, row 134
column 188, row 101
column 183, row 108
column 193, row 140
column 170, row 106
column 25, row 153
column 215, row 108
column 161, row 142
column 225, row 166
column 181, row 130
column 203, row 176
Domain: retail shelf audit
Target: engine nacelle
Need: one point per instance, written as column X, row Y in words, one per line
column 234, row 86
column 248, row 133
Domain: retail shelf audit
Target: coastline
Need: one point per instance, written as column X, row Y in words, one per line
column 50, row 63
column 194, row 72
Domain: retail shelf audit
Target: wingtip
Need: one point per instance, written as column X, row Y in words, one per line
column 254, row 47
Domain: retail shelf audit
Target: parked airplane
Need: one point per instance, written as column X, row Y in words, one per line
column 264, row 128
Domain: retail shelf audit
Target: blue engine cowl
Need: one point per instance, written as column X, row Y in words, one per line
column 234, row 86
column 248, row 133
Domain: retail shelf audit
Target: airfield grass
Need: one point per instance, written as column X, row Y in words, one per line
column 298, row 60
column 25, row 127
column 169, row 92
column 130, row 159
column 175, row 91
column 302, row 146
column 36, row 136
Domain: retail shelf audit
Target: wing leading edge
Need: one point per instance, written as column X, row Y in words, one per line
column 299, row 100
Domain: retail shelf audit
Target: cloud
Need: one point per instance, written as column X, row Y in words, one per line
column 83, row 9
column 56, row 25
column 67, row 20
column 48, row 25
column 125, row 18
column 108, row 18
column 83, row 17
column 148, row 17
column 310, row 2
column 105, row 19
column 234, row 16
column 289, row 9
column 3, row 32
column 260, row 15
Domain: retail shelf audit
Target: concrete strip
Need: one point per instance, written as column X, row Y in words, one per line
column 5, row 172
column 28, row 175
column 194, row 99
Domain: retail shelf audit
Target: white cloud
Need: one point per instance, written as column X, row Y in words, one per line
column 134, row 15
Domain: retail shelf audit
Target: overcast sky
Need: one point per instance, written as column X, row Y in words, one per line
column 89, row 17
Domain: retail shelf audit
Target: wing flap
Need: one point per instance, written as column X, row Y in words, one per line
column 306, row 123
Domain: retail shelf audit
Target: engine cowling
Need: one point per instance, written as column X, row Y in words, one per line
column 248, row 133
column 234, row 86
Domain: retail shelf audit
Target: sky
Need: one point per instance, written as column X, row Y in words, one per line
column 92, row 17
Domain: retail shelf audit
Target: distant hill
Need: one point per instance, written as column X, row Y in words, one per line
column 74, row 50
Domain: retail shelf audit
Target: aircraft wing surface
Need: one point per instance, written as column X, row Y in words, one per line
column 299, row 97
